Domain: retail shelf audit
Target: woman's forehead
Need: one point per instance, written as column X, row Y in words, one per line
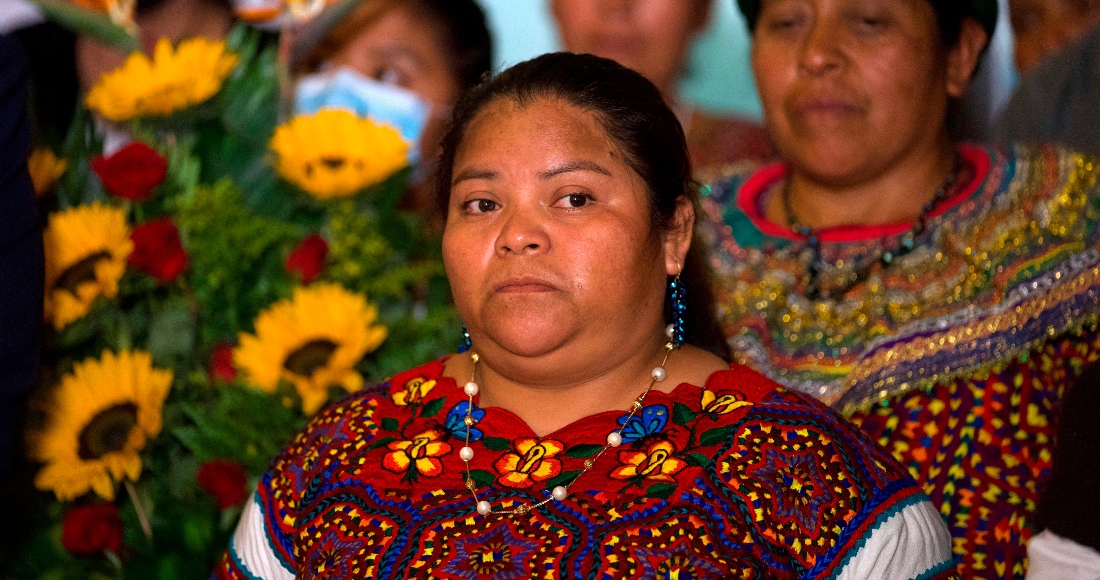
column 541, row 129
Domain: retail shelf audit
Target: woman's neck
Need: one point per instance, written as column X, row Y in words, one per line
column 897, row 194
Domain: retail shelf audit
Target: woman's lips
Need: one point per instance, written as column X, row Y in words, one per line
column 828, row 108
column 524, row 285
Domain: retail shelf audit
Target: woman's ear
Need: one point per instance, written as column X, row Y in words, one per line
column 962, row 59
column 678, row 237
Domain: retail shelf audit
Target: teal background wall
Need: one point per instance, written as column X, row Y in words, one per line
column 718, row 76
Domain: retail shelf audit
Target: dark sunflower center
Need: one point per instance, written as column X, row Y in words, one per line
column 108, row 431
column 310, row 357
column 80, row 272
column 333, row 163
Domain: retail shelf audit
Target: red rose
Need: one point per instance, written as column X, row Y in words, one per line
column 91, row 529
column 132, row 172
column 225, row 480
column 157, row 249
column 221, row 363
column 308, row 259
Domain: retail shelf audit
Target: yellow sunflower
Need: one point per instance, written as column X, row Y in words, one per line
column 101, row 417
column 45, row 169
column 314, row 340
column 334, row 153
column 172, row 80
column 86, row 251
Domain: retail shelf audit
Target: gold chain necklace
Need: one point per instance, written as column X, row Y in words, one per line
column 560, row 492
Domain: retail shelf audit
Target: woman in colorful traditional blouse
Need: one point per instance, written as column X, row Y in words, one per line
column 940, row 295
column 579, row 436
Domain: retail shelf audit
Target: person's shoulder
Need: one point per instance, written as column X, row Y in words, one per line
column 822, row 491
column 751, row 386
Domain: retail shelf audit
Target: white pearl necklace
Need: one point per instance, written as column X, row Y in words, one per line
column 559, row 493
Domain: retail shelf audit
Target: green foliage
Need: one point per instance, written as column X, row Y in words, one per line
column 236, row 259
column 89, row 22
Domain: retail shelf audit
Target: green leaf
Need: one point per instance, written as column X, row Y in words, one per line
column 90, row 22
column 432, row 407
column 583, row 450
column 660, row 491
column 714, row 436
column 171, row 332
column 390, row 424
column 565, row 479
column 697, row 459
column 482, row 478
column 383, row 441
column 682, row 414
column 496, row 443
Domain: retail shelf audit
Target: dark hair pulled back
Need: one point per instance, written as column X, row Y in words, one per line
column 470, row 47
column 637, row 119
column 949, row 16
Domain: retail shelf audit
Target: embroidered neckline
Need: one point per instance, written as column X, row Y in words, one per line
column 975, row 160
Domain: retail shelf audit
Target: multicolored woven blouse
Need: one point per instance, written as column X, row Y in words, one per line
column 954, row 352
column 735, row 479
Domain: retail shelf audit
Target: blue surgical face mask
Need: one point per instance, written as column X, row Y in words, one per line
column 344, row 88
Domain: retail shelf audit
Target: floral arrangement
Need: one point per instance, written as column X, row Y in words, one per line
column 210, row 285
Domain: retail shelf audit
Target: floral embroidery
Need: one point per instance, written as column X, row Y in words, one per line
column 501, row 555
column 721, row 404
column 650, row 421
column 456, row 421
column 414, row 392
column 656, row 463
column 532, row 461
column 419, row 455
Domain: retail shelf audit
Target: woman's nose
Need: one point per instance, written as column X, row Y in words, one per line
column 820, row 49
column 523, row 232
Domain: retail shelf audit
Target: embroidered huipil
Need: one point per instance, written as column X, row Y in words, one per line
column 953, row 355
column 735, row 479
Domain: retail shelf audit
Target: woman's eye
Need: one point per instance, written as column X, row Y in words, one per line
column 390, row 75
column 782, row 18
column 573, row 200
column 871, row 22
column 481, row 205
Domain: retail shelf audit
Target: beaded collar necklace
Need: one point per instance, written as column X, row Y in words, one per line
column 884, row 258
column 559, row 493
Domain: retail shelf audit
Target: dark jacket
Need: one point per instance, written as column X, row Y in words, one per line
column 21, row 259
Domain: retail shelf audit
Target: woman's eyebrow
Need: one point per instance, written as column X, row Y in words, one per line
column 474, row 173
column 579, row 165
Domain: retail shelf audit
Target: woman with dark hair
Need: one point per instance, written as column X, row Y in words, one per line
column 402, row 62
column 940, row 295
column 587, row 431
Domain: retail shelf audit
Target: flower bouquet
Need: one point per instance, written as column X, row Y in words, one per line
column 214, row 277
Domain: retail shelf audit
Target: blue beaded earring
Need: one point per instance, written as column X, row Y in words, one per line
column 464, row 344
column 676, row 296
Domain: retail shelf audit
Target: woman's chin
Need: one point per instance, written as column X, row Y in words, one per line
column 529, row 338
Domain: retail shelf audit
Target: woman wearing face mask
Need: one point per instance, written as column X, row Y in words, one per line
column 403, row 62
column 941, row 295
column 579, row 436
column 653, row 37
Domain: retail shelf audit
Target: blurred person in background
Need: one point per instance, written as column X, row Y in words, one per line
column 403, row 62
column 941, row 295
column 1058, row 54
column 653, row 37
